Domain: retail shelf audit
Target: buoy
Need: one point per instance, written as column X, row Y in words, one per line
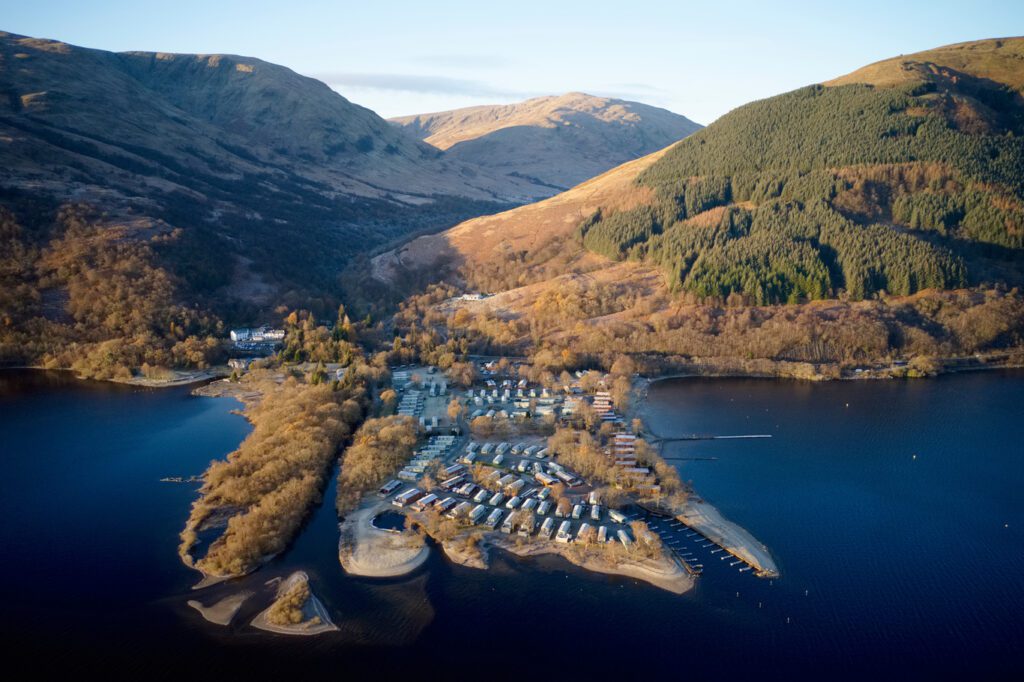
column 787, row 619
column 915, row 457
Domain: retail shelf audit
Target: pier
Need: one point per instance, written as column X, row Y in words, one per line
column 703, row 527
column 704, row 436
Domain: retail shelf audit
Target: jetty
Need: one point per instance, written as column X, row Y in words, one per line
column 705, row 527
column 704, row 436
column 703, row 518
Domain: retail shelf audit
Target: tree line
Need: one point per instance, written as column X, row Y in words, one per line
column 817, row 180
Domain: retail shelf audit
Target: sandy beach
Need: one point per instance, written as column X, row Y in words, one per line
column 367, row 551
column 221, row 612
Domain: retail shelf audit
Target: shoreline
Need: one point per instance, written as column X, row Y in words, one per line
column 700, row 515
column 369, row 552
column 223, row 611
column 313, row 608
column 947, row 366
column 224, row 388
column 212, row 374
column 668, row 574
column 181, row 378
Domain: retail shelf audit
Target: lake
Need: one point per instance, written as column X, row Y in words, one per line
column 892, row 564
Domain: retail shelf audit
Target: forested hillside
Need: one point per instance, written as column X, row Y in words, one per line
column 76, row 292
column 872, row 222
column 844, row 190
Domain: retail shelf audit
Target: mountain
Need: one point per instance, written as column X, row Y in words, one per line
column 834, row 215
column 859, row 187
column 275, row 167
column 220, row 116
column 146, row 196
column 556, row 141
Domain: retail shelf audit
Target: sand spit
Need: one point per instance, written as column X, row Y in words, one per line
column 367, row 551
column 709, row 522
column 223, row 611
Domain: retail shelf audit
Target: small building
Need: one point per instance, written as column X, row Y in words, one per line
column 477, row 513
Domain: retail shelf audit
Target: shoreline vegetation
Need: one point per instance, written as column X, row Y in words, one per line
column 258, row 497
column 572, row 322
column 295, row 610
column 472, row 550
column 379, row 449
column 166, row 378
column 714, row 368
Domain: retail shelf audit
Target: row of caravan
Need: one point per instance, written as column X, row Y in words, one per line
column 419, row 500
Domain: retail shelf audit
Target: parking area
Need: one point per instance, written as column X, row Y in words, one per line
column 423, row 394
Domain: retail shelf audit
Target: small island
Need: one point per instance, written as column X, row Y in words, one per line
column 295, row 611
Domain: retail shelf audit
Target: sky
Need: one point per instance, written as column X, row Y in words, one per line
column 699, row 59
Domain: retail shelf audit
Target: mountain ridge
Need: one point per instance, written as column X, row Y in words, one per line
column 559, row 140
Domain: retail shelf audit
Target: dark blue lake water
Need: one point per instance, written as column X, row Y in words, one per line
column 892, row 566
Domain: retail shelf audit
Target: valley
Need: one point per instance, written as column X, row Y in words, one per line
column 564, row 362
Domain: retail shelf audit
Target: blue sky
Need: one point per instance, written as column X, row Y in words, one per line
column 700, row 59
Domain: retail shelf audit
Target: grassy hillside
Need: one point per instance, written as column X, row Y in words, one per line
column 853, row 189
column 275, row 171
column 559, row 141
column 1000, row 60
column 507, row 245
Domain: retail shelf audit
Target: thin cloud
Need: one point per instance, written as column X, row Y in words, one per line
column 400, row 82
column 465, row 61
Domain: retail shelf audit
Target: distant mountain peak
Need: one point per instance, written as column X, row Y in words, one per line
column 559, row 140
